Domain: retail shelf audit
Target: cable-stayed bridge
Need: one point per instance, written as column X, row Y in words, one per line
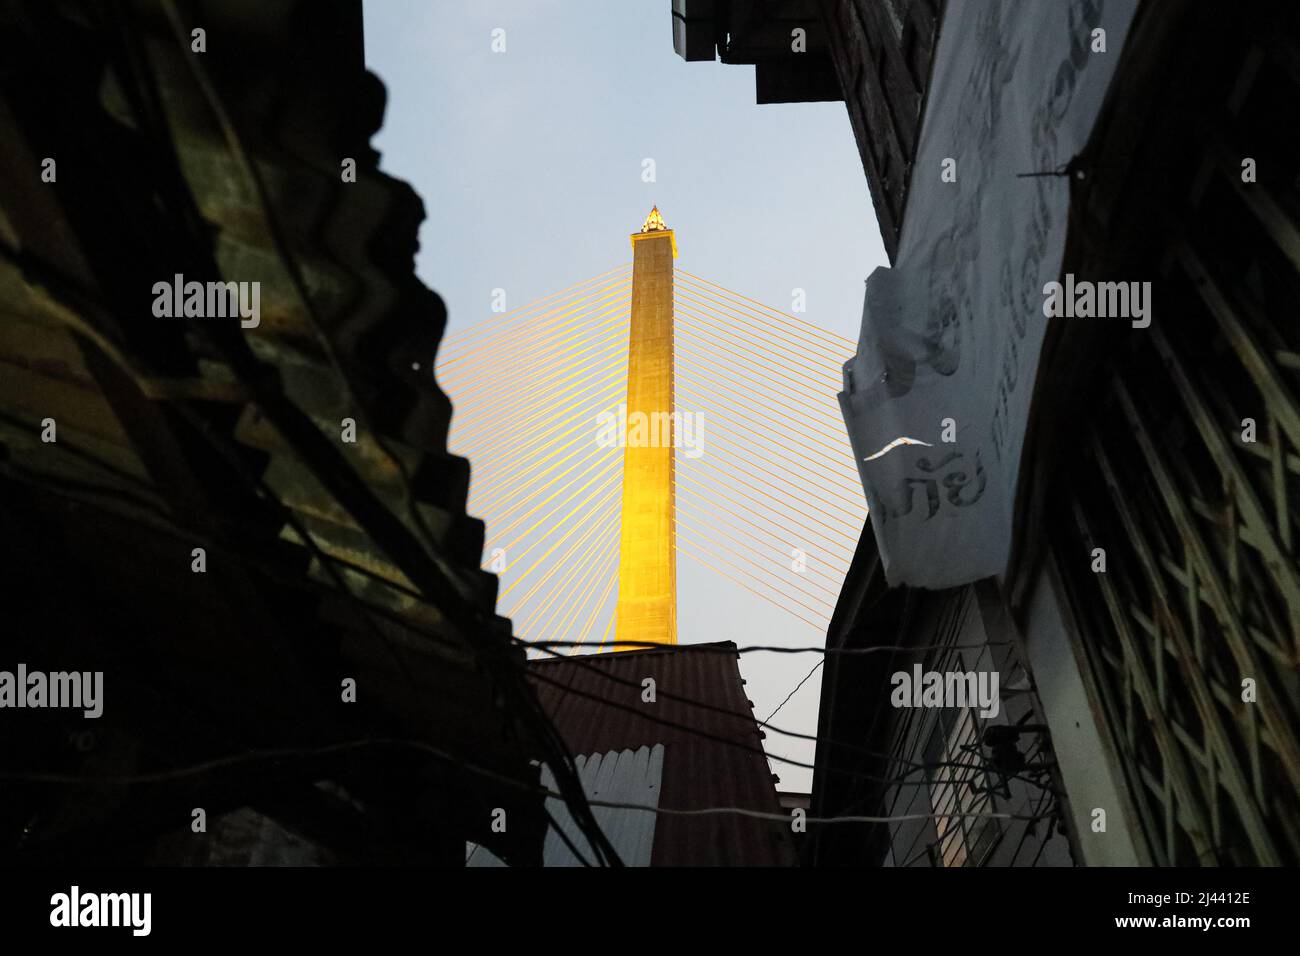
column 761, row 486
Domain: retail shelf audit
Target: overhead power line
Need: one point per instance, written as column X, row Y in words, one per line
column 796, row 689
column 276, row 755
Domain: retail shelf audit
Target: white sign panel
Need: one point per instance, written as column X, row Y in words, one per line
column 951, row 335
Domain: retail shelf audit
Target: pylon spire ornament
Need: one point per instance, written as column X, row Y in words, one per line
column 653, row 222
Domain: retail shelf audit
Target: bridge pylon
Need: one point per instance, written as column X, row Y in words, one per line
column 647, row 569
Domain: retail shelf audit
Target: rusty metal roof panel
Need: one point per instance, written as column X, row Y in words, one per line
column 712, row 753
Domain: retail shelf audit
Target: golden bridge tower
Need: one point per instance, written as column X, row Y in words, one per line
column 647, row 567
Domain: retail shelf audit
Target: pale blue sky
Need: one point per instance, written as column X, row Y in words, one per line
column 529, row 164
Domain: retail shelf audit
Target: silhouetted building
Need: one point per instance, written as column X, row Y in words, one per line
column 1100, row 481
column 1074, row 404
column 951, row 761
column 249, row 525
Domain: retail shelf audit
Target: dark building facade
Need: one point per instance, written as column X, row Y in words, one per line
column 882, row 51
column 1151, row 593
column 294, row 636
column 953, row 771
column 1145, row 609
column 1184, row 468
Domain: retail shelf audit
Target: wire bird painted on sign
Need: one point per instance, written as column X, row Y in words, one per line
column 904, row 440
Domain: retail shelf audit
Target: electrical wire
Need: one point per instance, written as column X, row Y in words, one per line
column 796, row 689
column 275, row 755
column 778, row 649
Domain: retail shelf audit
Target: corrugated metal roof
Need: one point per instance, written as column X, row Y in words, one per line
column 617, row 777
column 596, row 704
